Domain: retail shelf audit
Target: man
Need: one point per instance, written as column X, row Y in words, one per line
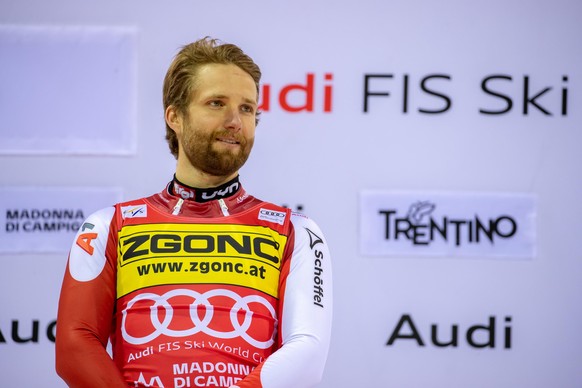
column 201, row 284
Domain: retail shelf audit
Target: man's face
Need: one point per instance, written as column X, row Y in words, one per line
column 218, row 131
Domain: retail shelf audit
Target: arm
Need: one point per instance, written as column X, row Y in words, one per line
column 86, row 307
column 305, row 318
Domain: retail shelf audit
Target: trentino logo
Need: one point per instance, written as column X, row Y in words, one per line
column 447, row 224
column 419, row 227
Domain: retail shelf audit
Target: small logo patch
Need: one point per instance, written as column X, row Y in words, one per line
column 134, row 211
column 272, row 216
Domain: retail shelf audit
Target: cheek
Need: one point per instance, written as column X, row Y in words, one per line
column 201, row 122
column 249, row 127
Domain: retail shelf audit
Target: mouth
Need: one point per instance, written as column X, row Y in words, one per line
column 227, row 140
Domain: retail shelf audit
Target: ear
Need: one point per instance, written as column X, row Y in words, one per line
column 173, row 119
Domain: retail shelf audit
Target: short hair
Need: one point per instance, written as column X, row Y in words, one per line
column 180, row 78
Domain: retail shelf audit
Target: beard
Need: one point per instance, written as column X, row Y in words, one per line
column 200, row 149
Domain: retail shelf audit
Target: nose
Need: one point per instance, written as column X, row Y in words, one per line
column 233, row 120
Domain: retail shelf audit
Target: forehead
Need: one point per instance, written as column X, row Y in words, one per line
column 224, row 79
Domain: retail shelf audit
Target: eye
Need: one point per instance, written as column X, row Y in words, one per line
column 215, row 103
column 247, row 109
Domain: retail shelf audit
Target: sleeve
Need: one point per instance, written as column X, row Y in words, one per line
column 86, row 307
column 306, row 315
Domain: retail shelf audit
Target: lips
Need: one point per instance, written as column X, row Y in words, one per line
column 228, row 140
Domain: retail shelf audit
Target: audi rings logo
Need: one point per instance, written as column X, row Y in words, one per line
column 272, row 216
column 199, row 325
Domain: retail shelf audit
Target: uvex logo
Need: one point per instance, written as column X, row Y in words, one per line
column 314, row 93
column 207, row 195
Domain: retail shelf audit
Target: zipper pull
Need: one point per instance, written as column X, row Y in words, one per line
column 223, row 207
column 178, row 207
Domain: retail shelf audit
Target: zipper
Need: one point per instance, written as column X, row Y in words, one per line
column 223, row 207
column 178, row 207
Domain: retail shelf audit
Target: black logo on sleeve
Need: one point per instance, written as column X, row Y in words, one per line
column 318, row 256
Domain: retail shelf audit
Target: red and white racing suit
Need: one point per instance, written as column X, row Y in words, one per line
column 232, row 292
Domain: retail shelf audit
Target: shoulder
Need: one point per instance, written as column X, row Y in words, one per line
column 303, row 221
column 100, row 217
column 306, row 229
column 127, row 208
column 87, row 255
column 101, row 220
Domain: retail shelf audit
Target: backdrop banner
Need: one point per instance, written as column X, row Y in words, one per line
column 447, row 224
column 46, row 219
column 81, row 83
column 436, row 144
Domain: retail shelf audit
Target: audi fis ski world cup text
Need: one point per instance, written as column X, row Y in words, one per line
column 162, row 335
column 502, row 93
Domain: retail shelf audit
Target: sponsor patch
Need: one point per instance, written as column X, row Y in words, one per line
column 447, row 224
column 272, row 216
column 134, row 211
column 160, row 254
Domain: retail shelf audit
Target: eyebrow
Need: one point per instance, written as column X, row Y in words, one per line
column 222, row 96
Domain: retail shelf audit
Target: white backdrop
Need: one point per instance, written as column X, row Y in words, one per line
column 454, row 58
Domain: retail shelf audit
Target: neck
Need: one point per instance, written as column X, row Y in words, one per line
column 205, row 194
column 193, row 177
